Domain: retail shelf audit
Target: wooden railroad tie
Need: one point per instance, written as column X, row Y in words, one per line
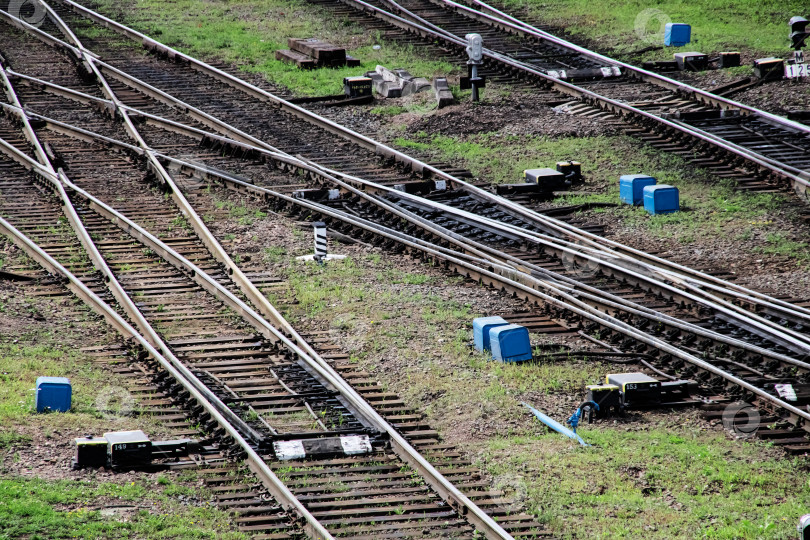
column 309, row 53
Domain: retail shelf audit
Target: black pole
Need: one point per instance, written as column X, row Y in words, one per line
column 474, row 83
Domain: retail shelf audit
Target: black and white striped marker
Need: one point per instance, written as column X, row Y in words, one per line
column 321, row 254
column 347, row 445
column 320, row 240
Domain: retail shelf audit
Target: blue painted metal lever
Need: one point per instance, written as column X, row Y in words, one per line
column 556, row 426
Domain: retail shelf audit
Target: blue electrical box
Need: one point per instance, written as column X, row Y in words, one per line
column 661, row 199
column 677, row 34
column 53, row 394
column 510, row 343
column 481, row 327
column 631, row 187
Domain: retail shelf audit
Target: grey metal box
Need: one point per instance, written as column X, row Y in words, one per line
column 128, row 447
column 636, row 388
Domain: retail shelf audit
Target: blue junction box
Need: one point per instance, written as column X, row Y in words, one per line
column 677, row 34
column 661, row 199
column 481, row 328
column 631, row 187
column 53, row 394
column 510, row 343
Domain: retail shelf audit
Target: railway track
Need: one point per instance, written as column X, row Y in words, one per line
column 136, row 183
column 185, row 106
column 761, row 151
column 191, row 311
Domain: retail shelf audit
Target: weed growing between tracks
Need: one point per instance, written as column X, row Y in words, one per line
column 409, row 326
column 658, row 475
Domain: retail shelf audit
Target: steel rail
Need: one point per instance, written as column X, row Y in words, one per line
column 483, row 251
column 683, row 88
column 800, row 183
column 514, row 283
column 183, row 376
column 778, row 338
column 638, row 311
column 208, row 239
column 649, row 76
column 208, row 399
column 543, row 221
column 355, row 402
column 800, row 346
column 717, row 139
column 787, row 337
column 789, row 311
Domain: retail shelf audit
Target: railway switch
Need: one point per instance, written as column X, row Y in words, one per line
column 481, row 328
column 661, row 199
column 677, row 34
column 631, row 187
column 53, row 394
column 510, row 343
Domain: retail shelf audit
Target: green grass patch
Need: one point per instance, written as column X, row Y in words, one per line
column 20, row 365
column 710, row 207
column 667, row 479
column 141, row 506
column 779, row 244
column 503, row 158
column 248, row 32
column 717, row 25
column 39, row 509
column 656, row 475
